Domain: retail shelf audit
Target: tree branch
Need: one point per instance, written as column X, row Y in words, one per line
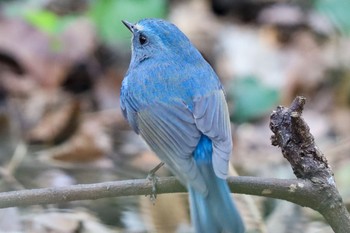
column 292, row 135
column 295, row 190
column 87, row 192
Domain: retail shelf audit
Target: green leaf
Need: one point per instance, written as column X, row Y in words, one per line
column 250, row 99
column 338, row 11
column 44, row 20
column 107, row 15
column 47, row 21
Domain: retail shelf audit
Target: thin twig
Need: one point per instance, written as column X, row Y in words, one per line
column 290, row 190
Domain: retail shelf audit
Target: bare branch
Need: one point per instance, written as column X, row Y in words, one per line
column 292, row 135
column 294, row 190
column 87, row 192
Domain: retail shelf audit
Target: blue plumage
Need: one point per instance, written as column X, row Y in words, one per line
column 215, row 212
column 175, row 101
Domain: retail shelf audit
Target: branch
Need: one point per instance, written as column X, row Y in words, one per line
column 87, row 192
column 292, row 135
column 298, row 191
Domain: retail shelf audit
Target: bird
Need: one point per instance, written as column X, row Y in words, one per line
column 174, row 100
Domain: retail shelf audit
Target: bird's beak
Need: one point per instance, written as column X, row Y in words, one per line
column 130, row 26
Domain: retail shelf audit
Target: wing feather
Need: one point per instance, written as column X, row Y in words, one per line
column 128, row 106
column 212, row 119
column 170, row 131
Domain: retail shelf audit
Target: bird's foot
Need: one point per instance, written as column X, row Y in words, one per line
column 152, row 177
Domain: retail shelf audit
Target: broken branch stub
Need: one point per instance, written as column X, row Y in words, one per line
column 292, row 135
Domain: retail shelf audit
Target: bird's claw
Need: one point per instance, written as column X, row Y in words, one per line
column 154, row 179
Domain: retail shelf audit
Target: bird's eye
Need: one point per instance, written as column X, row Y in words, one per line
column 142, row 39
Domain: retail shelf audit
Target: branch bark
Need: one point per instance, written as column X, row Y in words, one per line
column 292, row 135
column 299, row 191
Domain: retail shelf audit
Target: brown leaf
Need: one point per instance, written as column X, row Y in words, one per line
column 17, row 85
column 91, row 142
column 67, row 222
column 47, row 59
column 168, row 214
column 57, row 123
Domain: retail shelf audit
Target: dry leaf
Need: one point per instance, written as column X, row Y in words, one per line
column 91, row 142
column 63, row 222
column 57, row 124
column 44, row 64
column 169, row 214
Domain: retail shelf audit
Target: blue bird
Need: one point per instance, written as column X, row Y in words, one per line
column 172, row 98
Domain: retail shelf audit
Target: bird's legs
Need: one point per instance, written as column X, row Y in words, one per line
column 152, row 177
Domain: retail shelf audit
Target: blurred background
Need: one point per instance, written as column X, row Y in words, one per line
column 61, row 66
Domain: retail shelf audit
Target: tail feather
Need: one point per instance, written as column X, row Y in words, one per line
column 216, row 211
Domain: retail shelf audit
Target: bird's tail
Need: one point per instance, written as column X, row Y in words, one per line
column 216, row 211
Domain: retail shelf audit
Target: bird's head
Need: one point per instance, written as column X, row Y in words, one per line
column 156, row 38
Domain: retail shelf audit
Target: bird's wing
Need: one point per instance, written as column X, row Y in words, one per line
column 212, row 119
column 170, row 131
column 128, row 106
